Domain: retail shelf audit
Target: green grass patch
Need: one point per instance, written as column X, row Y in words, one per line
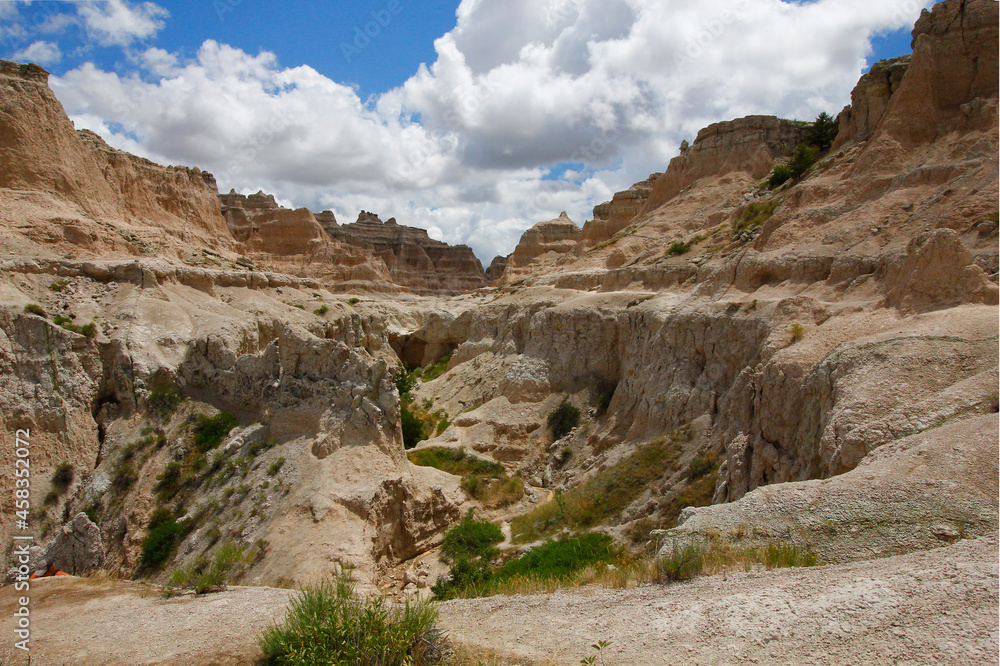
column 437, row 369
column 210, row 575
column 601, row 497
column 34, row 309
column 330, row 624
column 679, row 248
column 693, row 560
column 164, row 399
column 210, row 431
column 455, row 461
column 756, row 214
column 164, row 535
column 276, row 467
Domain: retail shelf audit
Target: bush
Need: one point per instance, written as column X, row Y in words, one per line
column 51, row 499
column 34, row 309
column 413, row 428
column 164, row 399
column 170, row 481
column 455, row 461
column 63, row 478
column 276, row 467
column 58, row 285
column 471, row 539
column 683, row 563
column 803, row 158
column 405, row 383
column 164, row 535
column 823, row 132
column 756, row 214
column 124, row 476
column 701, row 465
column 560, row 559
column 437, row 369
column 678, row 249
column 320, row 311
column 354, row 301
column 797, row 331
column 563, row 419
column 330, row 624
column 781, row 175
column 210, row 431
column 206, row 576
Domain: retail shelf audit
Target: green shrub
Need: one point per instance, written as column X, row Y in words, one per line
column 330, row 624
column 756, row 214
column 678, row 249
column 683, row 563
column 213, row 575
column 823, row 132
column 354, row 301
column 210, row 431
column 62, row 479
column 455, row 461
column 560, row 559
column 58, row 285
column 803, row 158
column 275, row 467
column 465, row 578
column 472, row 539
column 781, row 175
column 51, row 499
column 170, row 480
column 320, row 311
column 413, row 428
column 563, row 419
column 33, row 309
column 701, row 465
column 405, row 383
column 797, row 331
column 123, row 476
column 164, row 535
column 164, row 399
column 437, row 369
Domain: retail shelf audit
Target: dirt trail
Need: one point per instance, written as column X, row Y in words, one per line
column 934, row 607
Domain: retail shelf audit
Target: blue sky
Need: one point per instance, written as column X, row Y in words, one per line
column 473, row 120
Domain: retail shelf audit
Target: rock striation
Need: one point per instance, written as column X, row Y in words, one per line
column 870, row 99
column 752, row 144
column 613, row 216
column 558, row 236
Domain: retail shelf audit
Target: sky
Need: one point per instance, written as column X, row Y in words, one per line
column 472, row 119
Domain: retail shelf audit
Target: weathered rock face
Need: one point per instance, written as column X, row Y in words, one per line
column 870, row 99
column 78, row 548
column 414, row 260
column 560, row 236
column 374, row 250
column 750, row 144
column 496, row 269
column 613, row 216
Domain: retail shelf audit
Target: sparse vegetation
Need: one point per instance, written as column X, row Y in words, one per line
column 164, row 399
column 210, row 431
column 606, row 391
column 58, row 285
column 755, row 215
column 797, row 331
column 413, row 428
column 602, row 496
column 34, row 309
column 823, row 132
column 276, row 467
column 436, row 370
column 330, row 624
column 563, row 419
column 455, row 461
column 701, row 465
column 678, row 249
column 354, row 301
column 210, row 575
column 693, row 560
column 62, row 479
column 87, row 330
column 164, row 535
column 320, row 311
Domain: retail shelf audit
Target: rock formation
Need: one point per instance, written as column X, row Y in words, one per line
column 559, row 236
column 496, row 269
column 869, row 100
column 613, row 216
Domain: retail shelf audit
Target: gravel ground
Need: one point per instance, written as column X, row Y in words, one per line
column 933, row 607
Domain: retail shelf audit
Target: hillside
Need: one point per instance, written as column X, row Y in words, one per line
column 808, row 362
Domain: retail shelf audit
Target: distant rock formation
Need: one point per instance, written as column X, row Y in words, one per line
column 496, row 269
column 613, row 216
column 406, row 256
column 750, row 144
column 415, row 260
column 560, row 235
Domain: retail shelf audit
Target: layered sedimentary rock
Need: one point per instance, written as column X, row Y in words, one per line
column 559, row 236
column 496, row 269
column 613, row 216
column 414, row 260
column 750, row 144
column 869, row 100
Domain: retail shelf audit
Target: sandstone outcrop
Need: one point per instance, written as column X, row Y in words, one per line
column 752, row 145
column 558, row 236
column 869, row 100
column 78, row 548
column 496, row 269
column 613, row 216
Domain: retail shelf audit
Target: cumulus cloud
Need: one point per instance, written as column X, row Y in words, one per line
column 477, row 144
column 43, row 53
column 118, row 23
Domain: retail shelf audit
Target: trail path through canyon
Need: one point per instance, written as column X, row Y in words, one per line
column 933, row 607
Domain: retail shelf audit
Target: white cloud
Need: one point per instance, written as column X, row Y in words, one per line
column 42, row 53
column 118, row 23
column 518, row 87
